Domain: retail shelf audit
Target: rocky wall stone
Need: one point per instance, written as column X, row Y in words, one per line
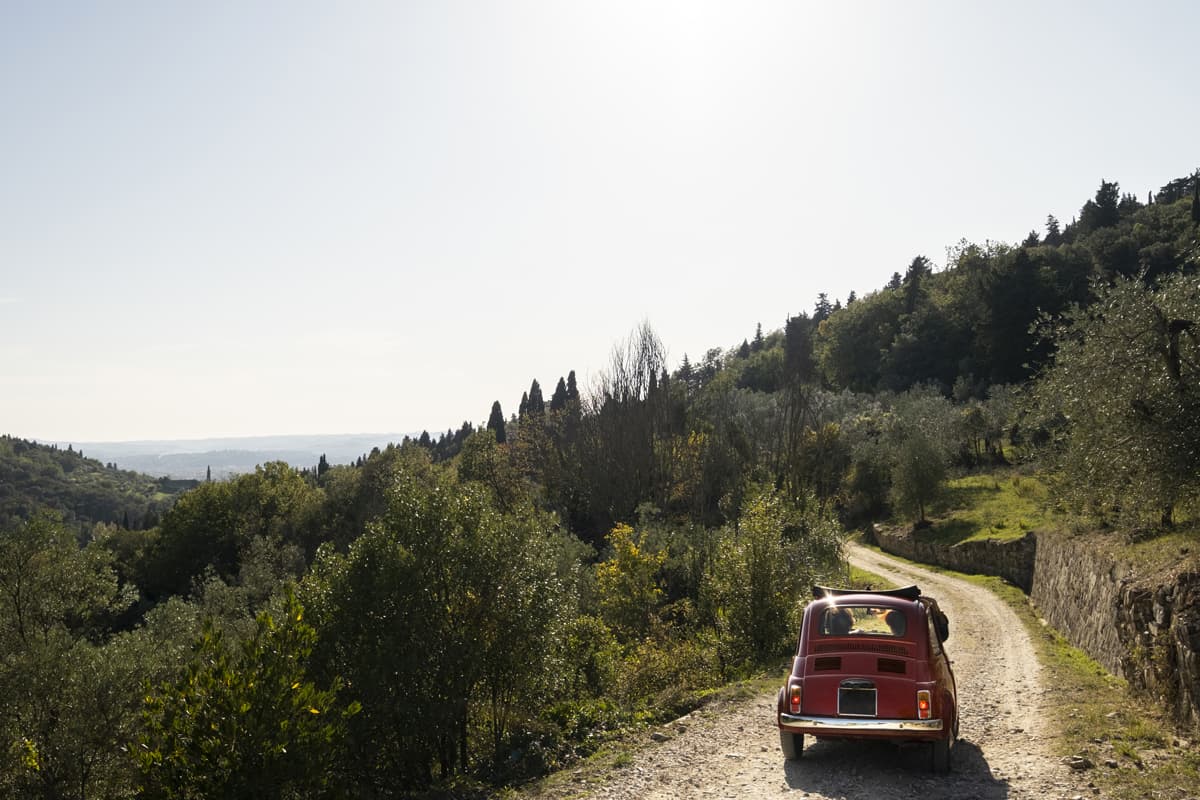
column 1160, row 626
column 1011, row 559
column 1076, row 589
column 1145, row 630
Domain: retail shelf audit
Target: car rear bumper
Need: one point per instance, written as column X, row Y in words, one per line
column 856, row 726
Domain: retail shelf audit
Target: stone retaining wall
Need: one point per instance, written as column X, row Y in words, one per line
column 1149, row 632
column 1011, row 559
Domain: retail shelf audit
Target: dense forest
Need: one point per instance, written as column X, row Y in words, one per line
column 489, row 605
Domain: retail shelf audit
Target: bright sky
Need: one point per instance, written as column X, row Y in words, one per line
column 233, row 218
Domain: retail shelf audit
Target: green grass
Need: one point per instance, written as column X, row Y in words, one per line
column 1000, row 505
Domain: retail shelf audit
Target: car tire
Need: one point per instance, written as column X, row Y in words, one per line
column 941, row 754
column 792, row 745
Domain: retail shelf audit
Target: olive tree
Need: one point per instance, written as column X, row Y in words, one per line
column 1123, row 396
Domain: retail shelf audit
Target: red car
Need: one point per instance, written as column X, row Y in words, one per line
column 871, row 665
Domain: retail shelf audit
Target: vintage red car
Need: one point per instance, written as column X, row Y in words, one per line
column 871, row 665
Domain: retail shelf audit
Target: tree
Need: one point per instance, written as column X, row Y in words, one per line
column 798, row 348
column 1053, row 234
column 443, row 618
column 761, row 569
column 250, row 725
column 628, row 584
column 535, row 404
column 917, row 475
column 1103, row 211
column 1122, row 396
column 922, row 438
column 65, row 697
column 914, row 279
column 758, row 342
column 495, row 423
column 558, row 400
column 211, row 526
column 823, row 309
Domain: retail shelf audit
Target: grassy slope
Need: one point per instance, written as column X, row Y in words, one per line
column 999, row 505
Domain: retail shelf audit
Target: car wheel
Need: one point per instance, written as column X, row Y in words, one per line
column 792, row 744
column 941, row 754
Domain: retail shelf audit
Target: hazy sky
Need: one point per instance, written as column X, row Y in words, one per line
column 266, row 218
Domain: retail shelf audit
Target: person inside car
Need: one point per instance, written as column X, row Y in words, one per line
column 840, row 622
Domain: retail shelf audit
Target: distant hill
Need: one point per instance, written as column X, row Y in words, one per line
column 192, row 458
column 36, row 476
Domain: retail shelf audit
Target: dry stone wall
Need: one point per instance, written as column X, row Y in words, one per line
column 1145, row 630
column 1011, row 559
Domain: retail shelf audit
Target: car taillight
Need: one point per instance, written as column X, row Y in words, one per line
column 794, row 692
column 924, row 704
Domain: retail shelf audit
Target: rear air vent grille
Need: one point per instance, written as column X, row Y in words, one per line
column 827, row 662
column 892, row 665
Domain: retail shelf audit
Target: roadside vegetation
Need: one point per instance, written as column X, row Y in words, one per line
column 499, row 601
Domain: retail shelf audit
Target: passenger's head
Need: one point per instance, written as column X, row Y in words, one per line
column 840, row 622
column 895, row 621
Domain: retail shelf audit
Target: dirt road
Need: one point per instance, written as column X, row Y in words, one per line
column 733, row 751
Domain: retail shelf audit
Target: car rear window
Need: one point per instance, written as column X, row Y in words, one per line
column 864, row 620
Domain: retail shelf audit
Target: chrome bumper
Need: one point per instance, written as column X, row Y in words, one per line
column 850, row 725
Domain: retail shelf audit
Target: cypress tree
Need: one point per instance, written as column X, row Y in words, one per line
column 1196, row 200
column 758, row 342
column 495, row 423
column 536, row 404
column 523, row 409
column 558, row 401
column 572, row 389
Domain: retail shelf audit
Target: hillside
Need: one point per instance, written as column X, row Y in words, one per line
column 36, row 476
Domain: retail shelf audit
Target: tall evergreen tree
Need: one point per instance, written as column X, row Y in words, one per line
column 536, row 404
column 914, row 279
column 495, row 423
column 798, row 348
column 758, row 342
column 523, row 409
column 823, row 308
column 895, row 281
column 744, row 350
column 572, row 389
column 1103, row 211
column 558, row 400
column 1054, row 235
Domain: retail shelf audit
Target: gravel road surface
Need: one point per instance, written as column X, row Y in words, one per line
column 732, row 750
